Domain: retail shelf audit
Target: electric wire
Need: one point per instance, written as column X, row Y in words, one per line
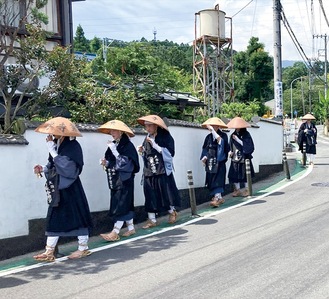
column 253, row 18
column 324, row 12
column 297, row 44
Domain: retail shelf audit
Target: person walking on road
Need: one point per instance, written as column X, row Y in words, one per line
column 241, row 148
column 68, row 211
column 158, row 150
column 120, row 163
column 214, row 156
column 307, row 134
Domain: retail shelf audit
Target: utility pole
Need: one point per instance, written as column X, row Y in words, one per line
column 325, row 63
column 278, row 94
column 106, row 44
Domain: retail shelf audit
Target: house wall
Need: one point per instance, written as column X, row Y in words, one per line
column 23, row 199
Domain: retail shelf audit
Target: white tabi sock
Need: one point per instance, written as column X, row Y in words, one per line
column 83, row 242
column 130, row 224
column 117, row 226
column 171, row 210
column 52, row 241
column 218, row 195
column 151, row 216
column 237, row 186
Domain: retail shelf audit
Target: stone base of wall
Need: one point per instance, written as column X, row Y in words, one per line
column 36, row 240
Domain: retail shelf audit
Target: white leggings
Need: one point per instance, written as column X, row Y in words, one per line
column 82, row 241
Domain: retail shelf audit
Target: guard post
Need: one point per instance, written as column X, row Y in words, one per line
column 285, row 164
column 248, row 175
column 192, row 193
column 304, row 154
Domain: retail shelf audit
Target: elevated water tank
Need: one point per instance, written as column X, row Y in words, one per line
column 212, row 23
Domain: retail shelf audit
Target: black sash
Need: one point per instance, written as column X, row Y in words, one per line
column 154, row 164
column 51, row 186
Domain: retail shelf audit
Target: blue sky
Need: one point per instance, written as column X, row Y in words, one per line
column 174, row 20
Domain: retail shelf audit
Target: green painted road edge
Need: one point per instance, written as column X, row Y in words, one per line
column 184, row 216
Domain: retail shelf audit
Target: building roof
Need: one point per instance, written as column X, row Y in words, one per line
column 182, row 99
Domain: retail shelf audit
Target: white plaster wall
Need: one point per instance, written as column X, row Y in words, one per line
column 23, row 196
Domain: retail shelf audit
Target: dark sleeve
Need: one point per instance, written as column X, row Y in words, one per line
column 248, row 144
column 67, row 171
column 204, row 151
column 226, row 144
column 164, row 139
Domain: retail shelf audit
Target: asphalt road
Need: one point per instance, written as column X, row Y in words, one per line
column 276, row 246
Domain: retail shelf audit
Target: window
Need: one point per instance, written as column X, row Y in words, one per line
column 52, row 11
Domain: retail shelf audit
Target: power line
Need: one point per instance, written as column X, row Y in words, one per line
column 323, row 11
column 297, row 44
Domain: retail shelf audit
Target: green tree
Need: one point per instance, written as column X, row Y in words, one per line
column 80, row 42
column 21, row 38
column 139, row 66
column 244, row 110
column 95, row 45
column 291, row 73
column 253, row 73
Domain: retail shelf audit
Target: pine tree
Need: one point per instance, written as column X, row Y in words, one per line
column 80, row 43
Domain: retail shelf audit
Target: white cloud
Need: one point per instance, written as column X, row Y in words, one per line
column 175, row 20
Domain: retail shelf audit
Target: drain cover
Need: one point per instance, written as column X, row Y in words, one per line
column 320, row 184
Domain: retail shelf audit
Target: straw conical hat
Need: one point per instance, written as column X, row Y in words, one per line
column 153, row 119
column 308, row 116
column 238, row 123
column 59, row 126
column 214, row 121
column 115, row 125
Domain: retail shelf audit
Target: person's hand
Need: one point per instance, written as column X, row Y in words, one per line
column 38, row 169
column 213, row 132
column 154, row 144
column 204, row 160
column 305, row 131
column 230, row 154
column 237, row 139
column 49, row 138
column 140, row 149
column 102, row 162
column 210, row 128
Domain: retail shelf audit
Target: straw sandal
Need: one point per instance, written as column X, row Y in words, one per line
column 150, row 223
column 245, row 193
column 110, row 237
column 47, row 256
column 129, row 233
column 236, row 193
column 216, row 202
column 173, row 217
column 78, row 254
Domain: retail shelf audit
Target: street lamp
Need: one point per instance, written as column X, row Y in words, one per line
column 301, row 79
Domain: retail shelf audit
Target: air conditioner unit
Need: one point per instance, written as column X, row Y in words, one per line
column 29, row 84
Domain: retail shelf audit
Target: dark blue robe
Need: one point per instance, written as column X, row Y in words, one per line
column 121, row 174
column 160, row 189
column 309, row 138
column 237, row 171
column 216, row 172
column 70, row 214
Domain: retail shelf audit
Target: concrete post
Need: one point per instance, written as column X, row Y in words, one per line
column 304, row 154
column 192, row 193
column 285, row 164
column 248, row 175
